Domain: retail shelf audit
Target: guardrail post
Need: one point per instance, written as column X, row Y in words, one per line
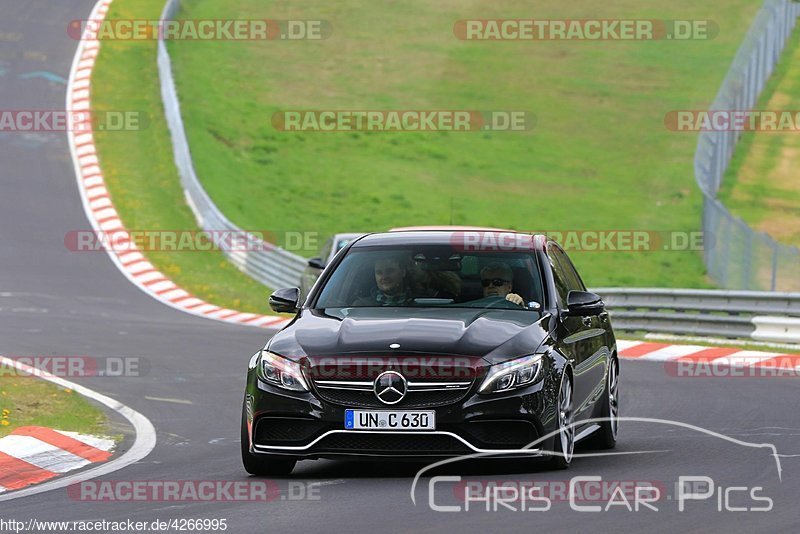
column 774, row 284
column 748, row 259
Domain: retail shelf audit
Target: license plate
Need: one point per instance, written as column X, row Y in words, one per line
column 388, row 420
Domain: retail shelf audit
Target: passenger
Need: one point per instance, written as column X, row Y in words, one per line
column 392, row 279
column 497, row 281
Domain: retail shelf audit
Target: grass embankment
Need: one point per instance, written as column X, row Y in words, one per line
column 140, row 171
column 28, row 401
column 599, row 157
column 762, row 185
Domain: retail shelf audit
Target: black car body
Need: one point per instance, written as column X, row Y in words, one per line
column 479, row 374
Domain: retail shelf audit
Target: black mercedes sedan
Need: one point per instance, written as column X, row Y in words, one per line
column 433, row 344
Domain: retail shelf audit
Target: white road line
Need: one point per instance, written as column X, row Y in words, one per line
column 164, row 399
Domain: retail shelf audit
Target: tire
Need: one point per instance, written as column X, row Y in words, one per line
column 256, row 465
column 606, row 437
column 564, row 441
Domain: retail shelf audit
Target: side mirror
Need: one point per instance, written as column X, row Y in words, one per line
column 317, row 263
column 285, row 300
column 584, row 303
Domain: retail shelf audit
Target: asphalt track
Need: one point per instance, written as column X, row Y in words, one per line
column 53, row 301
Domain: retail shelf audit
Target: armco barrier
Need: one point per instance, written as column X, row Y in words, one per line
column 743, row 258
column 756, row 315
column 270, row 265
column 785, row 329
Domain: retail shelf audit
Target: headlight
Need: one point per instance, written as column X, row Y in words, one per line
column 511, row 375
column 279, row 371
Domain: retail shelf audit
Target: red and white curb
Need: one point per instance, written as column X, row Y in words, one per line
column 99, row 207
column 29, row 458
column 10, row 473
column 34, row 454
column 697, row 354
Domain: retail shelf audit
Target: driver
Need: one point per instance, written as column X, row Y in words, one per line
column 497, row 279
column 391, row 279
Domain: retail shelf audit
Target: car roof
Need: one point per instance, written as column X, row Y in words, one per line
column 449, row 228
column 351, row 235
column 436, row 236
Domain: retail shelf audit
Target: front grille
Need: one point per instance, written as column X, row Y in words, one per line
column 413, row 399
column 397, row 443
column 284, row 431
column 431, row 380
column 502, row 434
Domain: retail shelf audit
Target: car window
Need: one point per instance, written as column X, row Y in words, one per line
column 572, row 278
column 559, row 277
column 432, row 275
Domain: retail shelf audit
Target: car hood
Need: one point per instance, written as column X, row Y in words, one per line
column 494, row 335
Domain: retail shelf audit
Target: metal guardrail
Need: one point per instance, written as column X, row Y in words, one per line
column 265, row 262
column 738, row 256
column 756, row 315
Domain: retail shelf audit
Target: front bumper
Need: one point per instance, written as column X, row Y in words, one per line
column 302, row 425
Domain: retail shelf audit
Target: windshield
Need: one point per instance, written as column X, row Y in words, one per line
column 433, row 275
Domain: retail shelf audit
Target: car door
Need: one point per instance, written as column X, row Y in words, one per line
column 600, row 324
column 583, row 337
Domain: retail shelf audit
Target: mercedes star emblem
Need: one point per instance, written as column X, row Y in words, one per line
column 390, row 387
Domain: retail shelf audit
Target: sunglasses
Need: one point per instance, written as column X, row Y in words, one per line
column 496, row 282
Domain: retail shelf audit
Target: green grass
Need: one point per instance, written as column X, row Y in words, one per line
column 599, row 157
column 762, row 185
column 140, row 171
column 28, row 401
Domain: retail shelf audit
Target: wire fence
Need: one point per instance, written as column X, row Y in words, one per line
column 267, row 263
column 740, row 257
